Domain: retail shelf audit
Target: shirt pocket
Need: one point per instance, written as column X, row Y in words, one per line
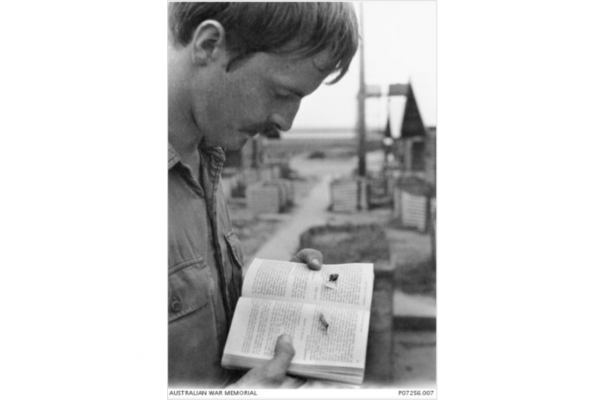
column 194, row 337
column 189, row 288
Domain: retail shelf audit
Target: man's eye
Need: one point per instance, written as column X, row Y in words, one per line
column 282, row 96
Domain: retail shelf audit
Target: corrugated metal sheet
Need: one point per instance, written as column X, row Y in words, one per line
column 263, row 199
column 270, row 196
column 344, row 195
column 412, row 209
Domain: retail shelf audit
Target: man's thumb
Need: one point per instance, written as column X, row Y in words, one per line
column 284, row 352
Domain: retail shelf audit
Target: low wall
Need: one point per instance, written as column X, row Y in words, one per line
column 272, row 196
column 348, row 194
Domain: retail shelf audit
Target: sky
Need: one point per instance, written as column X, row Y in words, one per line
column 400, row 44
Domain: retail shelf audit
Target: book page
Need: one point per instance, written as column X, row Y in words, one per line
column 340, row 341
column 353, row 284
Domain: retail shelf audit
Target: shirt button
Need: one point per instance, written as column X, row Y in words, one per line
column 175, row 305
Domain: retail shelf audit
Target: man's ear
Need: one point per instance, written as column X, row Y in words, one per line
column 208, row 43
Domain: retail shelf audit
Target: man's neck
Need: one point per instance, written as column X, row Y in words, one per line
column 187, row 149
column 184, row 135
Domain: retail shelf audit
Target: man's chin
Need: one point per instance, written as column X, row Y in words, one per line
column 237, row 145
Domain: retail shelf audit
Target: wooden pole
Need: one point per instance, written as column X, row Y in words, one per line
column 361, row 125
column 379, row 366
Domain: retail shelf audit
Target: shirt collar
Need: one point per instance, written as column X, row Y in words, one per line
column 215, row 154
column 173, row 157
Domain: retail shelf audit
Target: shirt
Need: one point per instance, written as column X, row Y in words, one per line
column 205, row 272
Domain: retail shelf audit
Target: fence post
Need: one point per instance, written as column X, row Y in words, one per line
column 380, row 346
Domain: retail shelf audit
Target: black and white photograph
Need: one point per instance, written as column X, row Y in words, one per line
column 302, row 196
column 321, row 240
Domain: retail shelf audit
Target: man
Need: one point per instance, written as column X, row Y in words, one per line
column 235, row 70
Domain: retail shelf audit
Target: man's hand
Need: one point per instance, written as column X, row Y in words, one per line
column 272, row 373
column 313, row 258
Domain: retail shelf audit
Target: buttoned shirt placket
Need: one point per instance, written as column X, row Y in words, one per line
column 213, row 162
column 214, row 165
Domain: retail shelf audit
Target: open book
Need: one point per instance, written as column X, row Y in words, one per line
column 325, row 312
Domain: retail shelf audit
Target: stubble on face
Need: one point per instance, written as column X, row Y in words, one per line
column 245, row 101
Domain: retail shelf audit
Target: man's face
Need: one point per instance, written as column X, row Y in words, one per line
column 262, row 93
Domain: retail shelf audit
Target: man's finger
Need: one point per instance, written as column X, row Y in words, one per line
column 284, row 352
column 314, row 263
column 313, row 258
column 292, row 382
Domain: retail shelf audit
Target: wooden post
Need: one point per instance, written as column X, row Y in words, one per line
column 361, row 125
column 380, row 346
column 432, row 213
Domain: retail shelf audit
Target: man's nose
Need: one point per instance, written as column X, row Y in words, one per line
column 283, row 118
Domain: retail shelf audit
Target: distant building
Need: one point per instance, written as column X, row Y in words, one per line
column 249, row 165
column 430, row 155
column 414, row 144
column 250, row 156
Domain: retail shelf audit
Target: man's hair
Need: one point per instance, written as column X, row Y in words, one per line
column 305, row 29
